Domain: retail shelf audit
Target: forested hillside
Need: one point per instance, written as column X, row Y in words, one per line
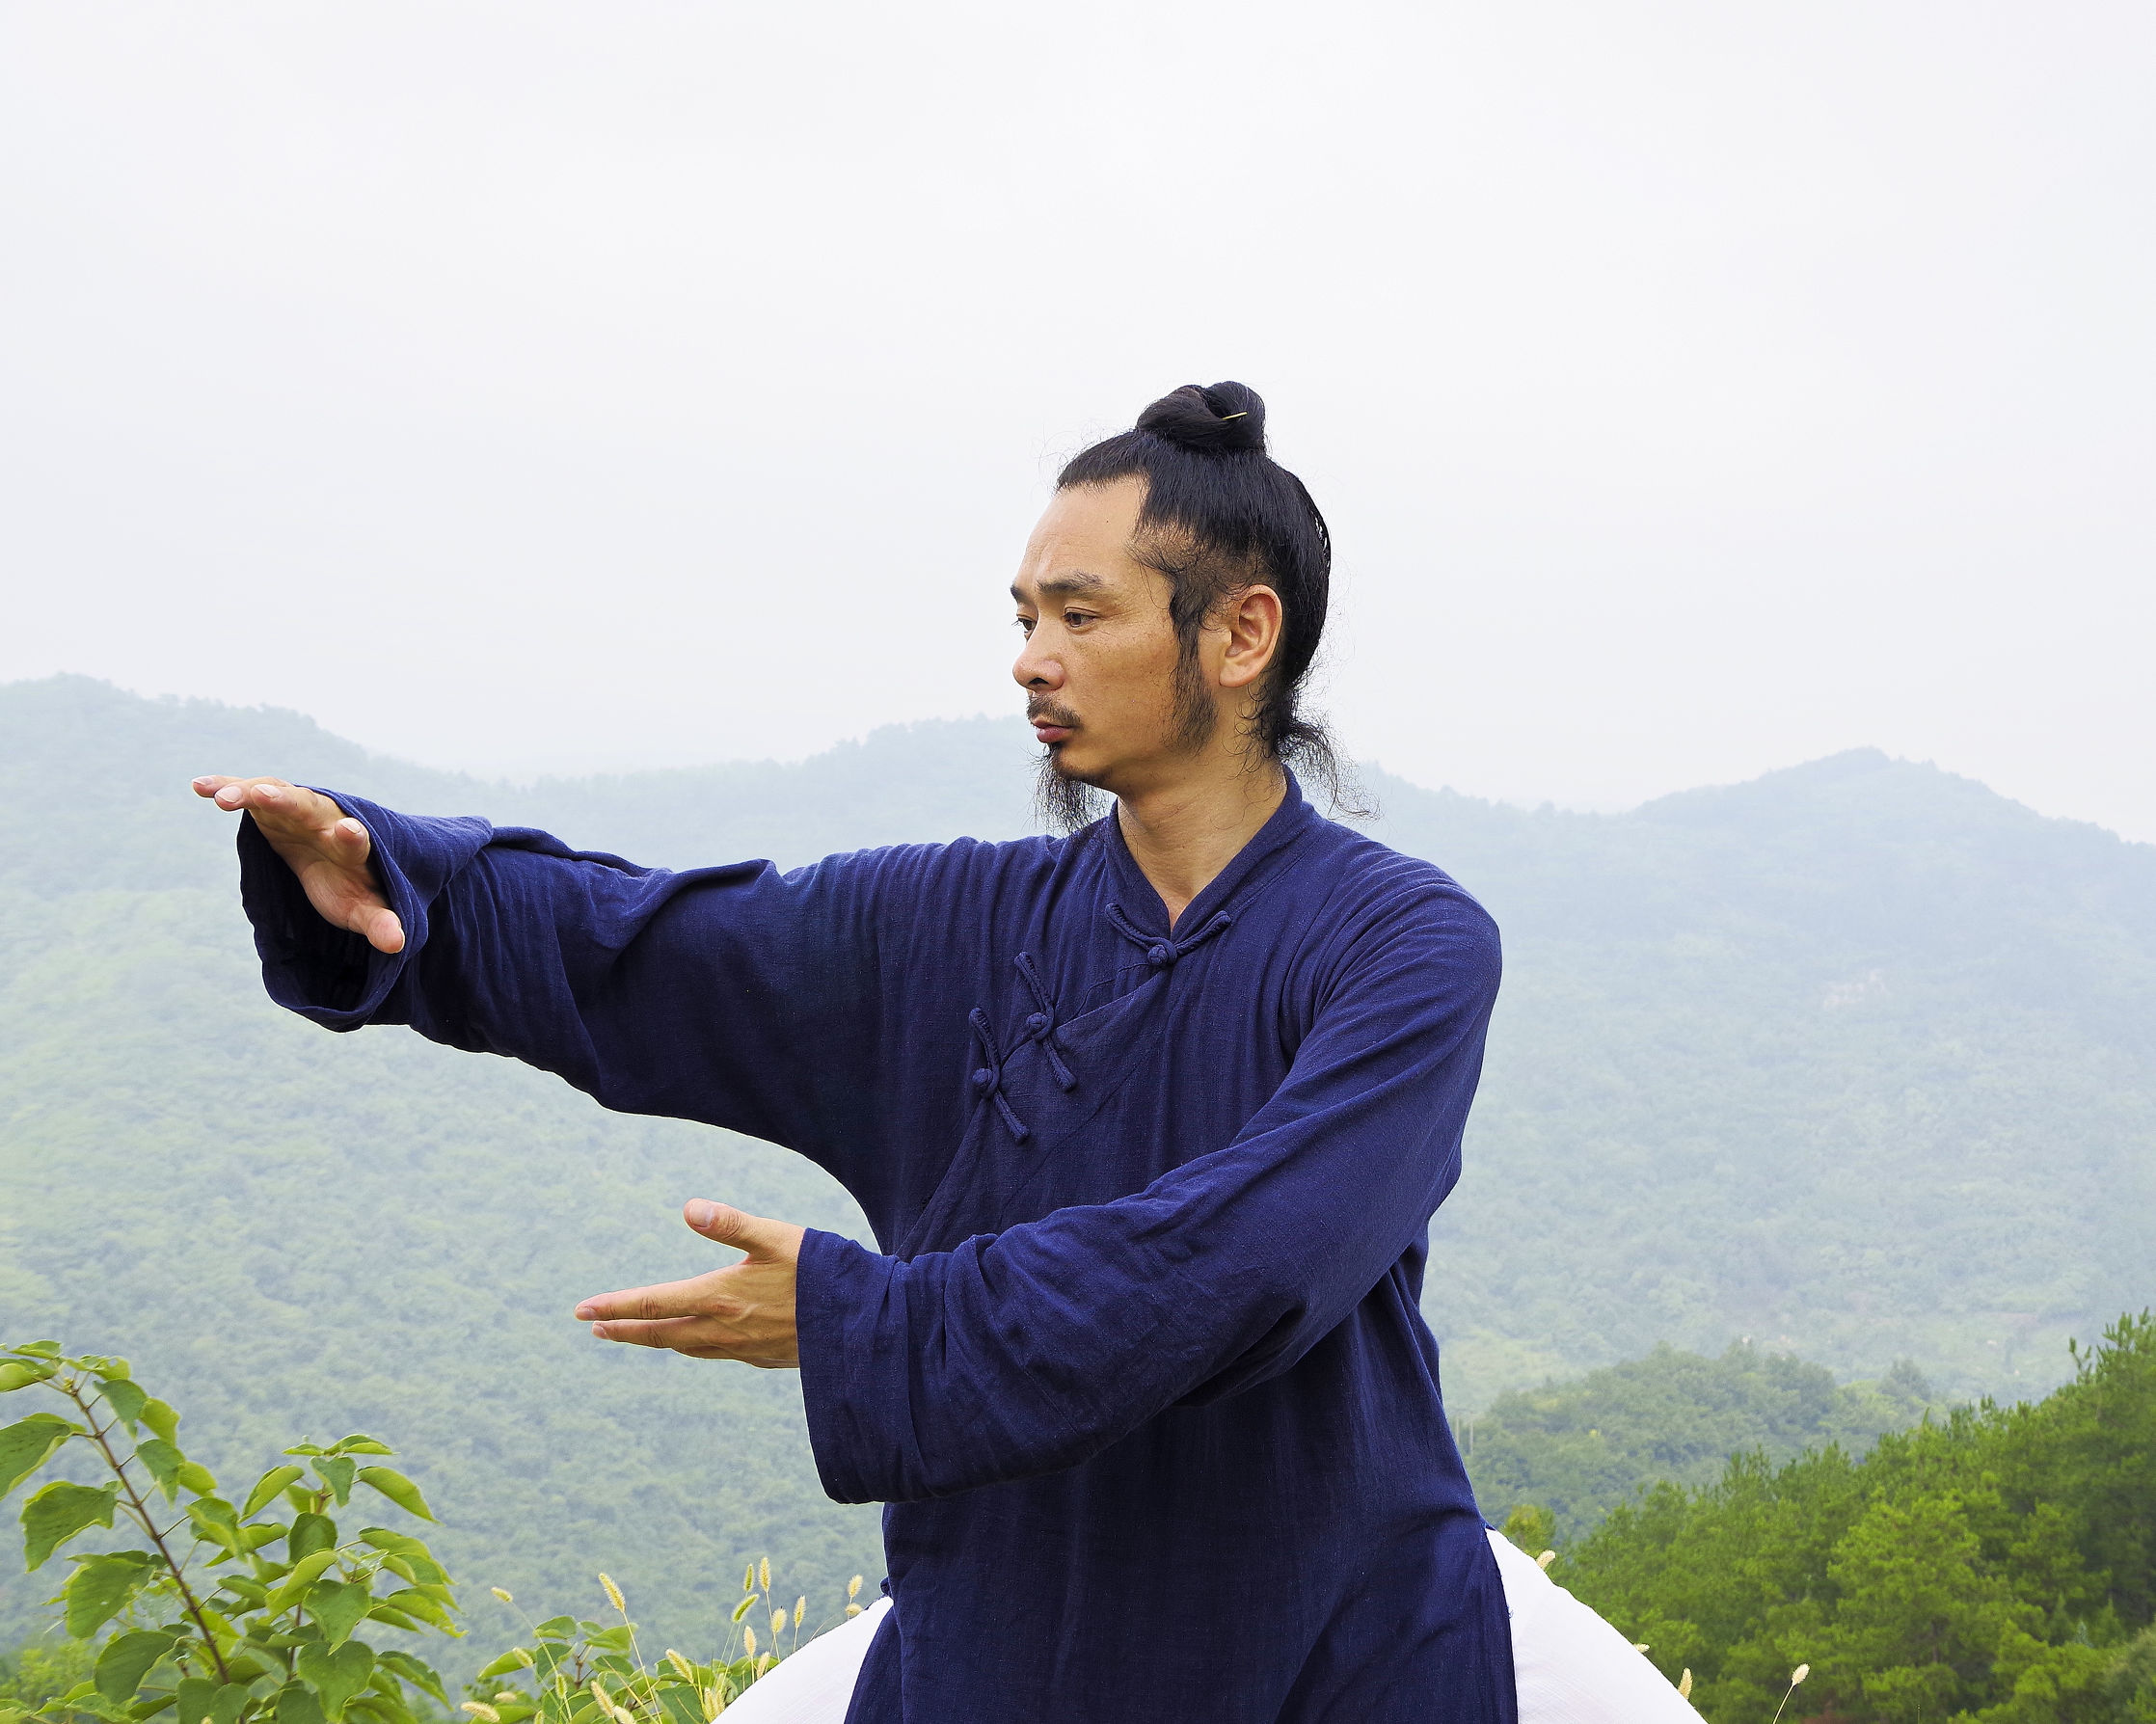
column 1996, row 1567
column 1857, row 1062
column 1574, row 1451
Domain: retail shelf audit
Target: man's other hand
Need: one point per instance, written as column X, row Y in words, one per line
column 745, row 1311
column 322, row 844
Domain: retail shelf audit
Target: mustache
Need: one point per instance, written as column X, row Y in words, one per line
column 1041, row 708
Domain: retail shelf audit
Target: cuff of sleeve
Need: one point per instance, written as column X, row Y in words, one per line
column 850, row 1312
column 328, row 974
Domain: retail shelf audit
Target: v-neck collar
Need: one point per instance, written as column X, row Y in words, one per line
column 1142, row 901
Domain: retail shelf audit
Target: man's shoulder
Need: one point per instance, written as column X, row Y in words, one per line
column 1369, row 880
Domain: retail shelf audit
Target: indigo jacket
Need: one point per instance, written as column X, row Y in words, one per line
column 1137, row 1364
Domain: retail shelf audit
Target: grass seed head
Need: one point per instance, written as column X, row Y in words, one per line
column 748, row 1579
column 600, row 1694
column 1685, row 1686
column 764, row 1574
column 714, row 1703
column 748, row 1639
column 613, row 1594
column 852, row 1611
column 480, row 1709
column 682, row 1666
column 778, row 1623
column 1799, row 1674
column 503, row 1594
column 854, row 1587
column 800, row 1609
column 1546, row 1559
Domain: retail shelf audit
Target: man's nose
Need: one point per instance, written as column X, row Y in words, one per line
column 1035, row 670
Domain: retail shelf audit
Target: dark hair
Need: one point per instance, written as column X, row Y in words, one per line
column 1224, row 515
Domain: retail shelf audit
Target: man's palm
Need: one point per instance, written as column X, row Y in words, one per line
column 326, row 850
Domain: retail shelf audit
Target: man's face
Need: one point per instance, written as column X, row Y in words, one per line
column 1099, row 663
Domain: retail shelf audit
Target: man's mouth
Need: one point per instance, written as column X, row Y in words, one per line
column 1051, row 725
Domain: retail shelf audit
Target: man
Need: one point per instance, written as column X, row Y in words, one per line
column 1149, row 1119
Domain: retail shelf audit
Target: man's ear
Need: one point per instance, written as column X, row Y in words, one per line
column 1252, row 620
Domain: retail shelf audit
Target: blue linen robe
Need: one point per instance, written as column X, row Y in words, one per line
column 1139, row 1368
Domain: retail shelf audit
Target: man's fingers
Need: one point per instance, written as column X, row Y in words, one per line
column 382, row 928
column 755, row 1235
column 669, row 1299
column 673, row 1333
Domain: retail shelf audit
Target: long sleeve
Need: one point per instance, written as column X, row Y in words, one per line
column 734, row 995
column 1027, row 1351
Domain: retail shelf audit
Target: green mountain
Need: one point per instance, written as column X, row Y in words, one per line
column 1577, row 1450
column 1857, row 1060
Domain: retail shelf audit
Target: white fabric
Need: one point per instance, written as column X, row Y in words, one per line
column 816, row 1684
column 1571, row 1666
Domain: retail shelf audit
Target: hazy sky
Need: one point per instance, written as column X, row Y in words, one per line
column 1693, row 388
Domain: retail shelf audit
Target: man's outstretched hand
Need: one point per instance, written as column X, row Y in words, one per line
column 745, row 1311
column 322, row 844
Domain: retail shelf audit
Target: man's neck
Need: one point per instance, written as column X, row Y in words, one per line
column 1182, row 833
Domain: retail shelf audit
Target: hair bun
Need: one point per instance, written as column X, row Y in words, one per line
column 1223, row 419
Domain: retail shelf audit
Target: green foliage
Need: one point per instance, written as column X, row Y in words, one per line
column 206, row 1617
column 581, row 1672
column 1578, row 1449
column 1996, row 1566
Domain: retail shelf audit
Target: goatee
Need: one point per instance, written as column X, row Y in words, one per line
column 1064, row 804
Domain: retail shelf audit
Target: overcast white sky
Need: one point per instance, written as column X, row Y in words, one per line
column 1694, row 388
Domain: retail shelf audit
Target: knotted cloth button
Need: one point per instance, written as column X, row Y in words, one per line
column 1037, row 1022
column 1162, row 954
column 982, row 1081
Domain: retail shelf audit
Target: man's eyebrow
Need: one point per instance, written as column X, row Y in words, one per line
column 1076, row 580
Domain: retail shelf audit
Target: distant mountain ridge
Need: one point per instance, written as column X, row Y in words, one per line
column 1857, row 1060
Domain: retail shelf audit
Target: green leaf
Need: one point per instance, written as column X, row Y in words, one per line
column 501, row 1666
column 225, row 1705
column 395, row 1619
column 420, row 1676
column 337, row 1606
column 60, row 1511
column 126, row 1398
column 266, row 1487
column 556, row 1627
column 251, row 1592
column 163, row 1462
column 398, row 1489
column 296, row 1704
column 44, row 1349
column 359, row 1444
column 194, row 1696
column 22, row 1373
column 161, row 1419
column 398, row 1544
column 110, row 1370
column 27, row 1446
column 680, row 1704
column 337, row 1676
column 99, row 1588
column 305, row 1448
column 127, row 1660
column 335, row 1471
column 305, row 1573
column 414, row 1602
column 215, row 1523
column 309, row 1533
column 193, row 1476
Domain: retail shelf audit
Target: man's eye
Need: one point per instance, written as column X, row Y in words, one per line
column 1077, row 619
column 1024, row 625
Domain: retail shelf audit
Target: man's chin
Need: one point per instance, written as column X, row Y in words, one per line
column 1065, row 794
